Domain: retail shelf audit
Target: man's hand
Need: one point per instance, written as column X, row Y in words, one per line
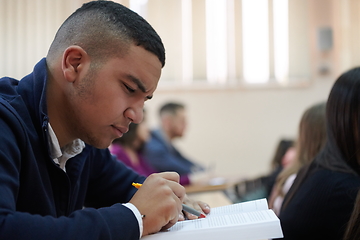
column 197, row 205
column 160, row 200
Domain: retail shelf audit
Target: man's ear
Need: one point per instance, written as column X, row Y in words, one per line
column 73, row 61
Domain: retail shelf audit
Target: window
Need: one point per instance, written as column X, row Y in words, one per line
column 216, row 41
column 230, row 42
column 281, row 40
column 255, row 36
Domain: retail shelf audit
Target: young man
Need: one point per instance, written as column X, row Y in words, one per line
column 159, row 150
column 58, row 179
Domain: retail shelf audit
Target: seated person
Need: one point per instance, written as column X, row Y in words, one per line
column 321, row 199
column 58, row 178
column 159, row 150
column 260, row 187
column 284, row 155
column 129, row 149
column 311, row 139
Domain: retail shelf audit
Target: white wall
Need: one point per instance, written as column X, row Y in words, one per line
column 238, row 129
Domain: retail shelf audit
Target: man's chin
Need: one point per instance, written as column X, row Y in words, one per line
column 98, row 144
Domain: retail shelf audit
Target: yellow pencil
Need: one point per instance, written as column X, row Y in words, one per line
column 137, row 185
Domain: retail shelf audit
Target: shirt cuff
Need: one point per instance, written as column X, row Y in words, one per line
column 137, row 215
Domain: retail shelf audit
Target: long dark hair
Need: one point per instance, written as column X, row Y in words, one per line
column 343, row 116
column 341, row 151
column 353, row 228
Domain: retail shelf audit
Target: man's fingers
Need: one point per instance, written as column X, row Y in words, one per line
column 178, row 190
column 204, row 207
column 160, row 198
column 171, row 176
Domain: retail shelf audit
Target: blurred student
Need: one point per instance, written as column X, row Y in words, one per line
column 322, row 197
column 260, row 187
column 311, row 139
column 160, row 151
column 130, row 147
column 284, row 155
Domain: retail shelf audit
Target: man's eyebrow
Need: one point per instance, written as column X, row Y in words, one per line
column 139, row 84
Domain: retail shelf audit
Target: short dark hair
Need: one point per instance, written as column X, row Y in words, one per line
column 171, row 108
column 104, row 29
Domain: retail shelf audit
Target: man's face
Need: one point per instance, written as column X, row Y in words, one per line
column 106, row 100
column 178, row 123
column 143, row 132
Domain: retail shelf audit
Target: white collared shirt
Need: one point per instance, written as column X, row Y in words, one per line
column 61, row 155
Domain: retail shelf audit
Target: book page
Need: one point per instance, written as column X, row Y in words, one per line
column 252, row 219
column 233, row 219
column 250, row 206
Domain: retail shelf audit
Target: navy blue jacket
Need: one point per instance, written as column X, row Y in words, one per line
column 38, row 200
column 165, row 157
column 321, row 207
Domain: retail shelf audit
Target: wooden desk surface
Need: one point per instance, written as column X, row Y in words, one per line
column 212, row 184
column 205, row 188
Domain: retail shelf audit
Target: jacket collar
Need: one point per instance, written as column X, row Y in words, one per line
column 32, row 88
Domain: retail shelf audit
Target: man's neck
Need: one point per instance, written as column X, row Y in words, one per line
column 57, row 113
column 166, row 134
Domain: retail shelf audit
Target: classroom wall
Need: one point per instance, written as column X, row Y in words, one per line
column 234, row 129
column 238, row 130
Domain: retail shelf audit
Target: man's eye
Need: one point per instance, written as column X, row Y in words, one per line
column 129, row 88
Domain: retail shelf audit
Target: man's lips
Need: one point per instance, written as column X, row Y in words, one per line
column 120, row 130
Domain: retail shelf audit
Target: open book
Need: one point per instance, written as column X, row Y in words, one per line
column 251, row 220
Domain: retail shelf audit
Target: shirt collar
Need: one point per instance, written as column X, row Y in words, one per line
column 61, row 155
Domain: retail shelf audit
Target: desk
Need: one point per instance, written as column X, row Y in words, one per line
column 212, row 184
column 195, row 188
column 213, row 198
